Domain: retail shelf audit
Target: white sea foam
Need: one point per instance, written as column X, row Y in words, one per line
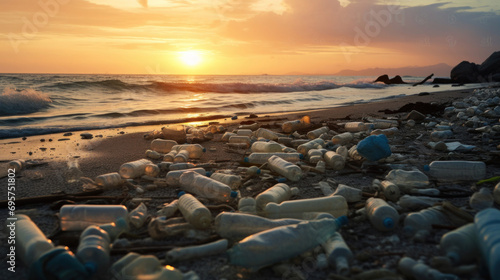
column 14, row 102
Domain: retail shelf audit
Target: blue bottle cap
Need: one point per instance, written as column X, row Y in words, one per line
column 58, row 263
column 246, row 159
column 204, row 149
column 281, row 180
column 181, row 193
column 208, row 173
column 258, row 171
column 301, row 156
column 342, row 220
column 234, row 194
column 388, row 223
column 427, row 167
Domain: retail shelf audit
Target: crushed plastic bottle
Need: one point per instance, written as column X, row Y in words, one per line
column 338, row 253
column 134, row 169
column 285, row 168
column 461, row 245
column 487, row 224
column 247, row 205
column 206, row 187
column 334, row 160
column 456, row 170
column 194, row 211
column 79, row 217
column 381, row 215
column 137, row 267
column 349, row 193
column 424, row 219
column 420, row 271
column 192, row 252
column 334, row 205
column 481, row 200
column 138, row 216
column 281, row 243
column 93, row 250
column 44, row 261
column 73, row 173
column 115, row 229
column 277, row 194
column 406, row 180
column 233, row 181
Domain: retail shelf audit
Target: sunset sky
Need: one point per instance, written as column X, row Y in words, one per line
column 242, row 36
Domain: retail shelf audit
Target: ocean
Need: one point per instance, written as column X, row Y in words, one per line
column 36, row 104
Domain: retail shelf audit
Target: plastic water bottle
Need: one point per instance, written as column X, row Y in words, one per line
column 390, row 190
column 317, row 143
column 407, row 179
column 374, row 147
column 487, row 223
column 134, row 169
column 194, row 211
column 265, row 147
column 281, row 243
column 134, row 267
column 73, row 173
column 195, row 150
column 349, row 193
column 79, row 217
column 285, row 168
column 461, row 245
column 138, row 216
column 153, row 154
column 206, row 187
column 169, row 209
column 43, row 260
column 357, row 126
column 334, row 205
column 277, row 194
column 196, row 251
column 381, row 215
column 424, row 220
column 419, row 271
column 240, row 140
column 412, row 203
column 338, row 253
column 313, row 134
column 93, row 250
column 172, row 177
column 169, row 157
column 226, row 136
column 334, row 160
column 162, row 146
column 247, row 205
column 456, row 170
column 236, row 226
column 315, row 155
column 17, row 164
column 181, row 156
column 109, row 181
column 481, row 200
column 291, row 126
column 116, row 228
column 151, row 170
column 387, row 131
column 496, row 193
column 343, row 138
column 253, row 126
column 181, row 166
column 266, row 133
column 233, row 181
column 261, row 158
column 244, row 132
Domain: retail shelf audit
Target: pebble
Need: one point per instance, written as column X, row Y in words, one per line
column 67, row 134
column 86, row 135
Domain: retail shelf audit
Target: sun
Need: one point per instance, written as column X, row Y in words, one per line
column 190, row 58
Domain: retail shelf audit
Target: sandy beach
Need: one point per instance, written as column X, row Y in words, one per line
column 375, row 251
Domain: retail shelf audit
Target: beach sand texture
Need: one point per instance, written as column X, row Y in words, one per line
column 48, row 157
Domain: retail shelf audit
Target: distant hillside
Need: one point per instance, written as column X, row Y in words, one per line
column 439, row 70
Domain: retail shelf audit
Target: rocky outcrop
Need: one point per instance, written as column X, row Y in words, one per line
column 469, row 72
column 385, row 79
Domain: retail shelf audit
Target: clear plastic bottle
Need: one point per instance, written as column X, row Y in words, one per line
column 151, row 170
column 265, row 147
column 195, row 150
column 116, row 228
column 79, row 217
column 313, row 134
column 334, row 160
column 390, row 190
column 461, row 245
column 374, row 147
column 334, row 205
column 343, row 138
column 39, row 254
column 381, row 215
column 420, row 271
column 138, row 216
column 487, row 223
column 240, row 140
column 134, row 169
column 169, row 157
column 266, row 133
column 226, row 136
column 17, row 164
column 253, row 126
column 73, row 173
column 407, row 179
column 277, row 194
column 424, row 219
column 349, row 193
column 206, row 187
column 339, row 255
column 244, row 132
column 93, row 250
column 137, row 267
column 481, row 200
column 457, row 170
column 162, row 146
column 109, row 181
column 233, row 181
column 281, row 243
column 261, row 158
column 357, row 126
column 496, row 193
column 317, row 143
column 169, row 209
column 412, row 203
column 181, row 156
column 197, row 251
column 291, row 126
column 153, row 154
column 387, row 131
column 236, row 226
column 172, row 177
column 315, row 155
column 181, row 166
column 247, row 205
column 194, row 211
column 285, row 168
column 321, row 166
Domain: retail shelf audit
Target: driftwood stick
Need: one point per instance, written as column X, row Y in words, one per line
column 424, row 80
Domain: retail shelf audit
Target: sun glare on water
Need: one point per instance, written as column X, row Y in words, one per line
column 190, row 58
